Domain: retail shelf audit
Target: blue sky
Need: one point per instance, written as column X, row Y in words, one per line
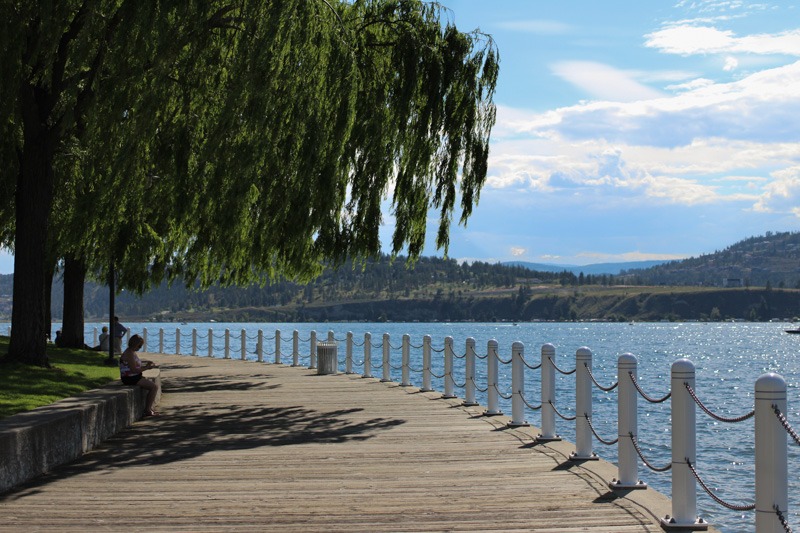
column 633, row 130
column 636, row 130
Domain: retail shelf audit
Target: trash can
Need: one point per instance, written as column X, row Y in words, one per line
column 327, row 358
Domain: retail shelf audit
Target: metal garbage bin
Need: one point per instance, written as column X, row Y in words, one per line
column 327, row 358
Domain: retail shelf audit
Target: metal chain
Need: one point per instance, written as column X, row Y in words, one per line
column 598, row 437
column 785, row 423
column 304, row 340
column 411, row 368
column 376, row 367
column 376, row 345
column 500, row 359
column 604, row 389
column 393, row 347
column 481, row 356
column 357, row 344
column 459, row 385
column 416, row 347
column 477, row 388
column 644, row 395
column 782, row 519
column 503, row 396
column 437, row 350
column 268, row 338
column 716, row 498
column 532, row 367
column 395, row 367
column 742, row 418
column 201, row 336
column 459, row 356
column 645, row 461
column 340, row 340
column 559, row 370
column 437, row 376
column 567, row 418
column 535, row 408
column 252, row 338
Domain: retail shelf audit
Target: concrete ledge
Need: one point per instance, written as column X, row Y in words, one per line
column 34, row 442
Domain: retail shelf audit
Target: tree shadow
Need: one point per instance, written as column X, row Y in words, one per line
column 196, row 430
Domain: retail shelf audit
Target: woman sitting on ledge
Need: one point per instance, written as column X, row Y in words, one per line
column 130, row 371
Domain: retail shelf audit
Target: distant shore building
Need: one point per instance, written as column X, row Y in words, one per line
column 731, row 282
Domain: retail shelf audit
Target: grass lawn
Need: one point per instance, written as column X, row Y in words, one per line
column 24, row 387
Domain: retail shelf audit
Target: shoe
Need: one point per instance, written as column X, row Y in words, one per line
column 151, row 413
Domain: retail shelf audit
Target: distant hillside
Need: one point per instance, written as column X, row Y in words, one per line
column 771, row 260
column 596, row 269
column 763, row 275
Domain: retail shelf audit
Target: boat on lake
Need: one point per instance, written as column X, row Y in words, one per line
column 792, row 330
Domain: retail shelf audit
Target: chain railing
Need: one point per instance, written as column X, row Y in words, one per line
column 463, row 376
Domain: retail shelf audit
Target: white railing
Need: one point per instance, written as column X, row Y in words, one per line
column 771, row 424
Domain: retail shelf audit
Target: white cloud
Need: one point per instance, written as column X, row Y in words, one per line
column 710, row 143
column 517, row 251
column 690, row 40
column 731, row 63
column 603, row 81
column 782, row 194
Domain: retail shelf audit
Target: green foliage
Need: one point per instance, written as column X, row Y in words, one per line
column 73, row 371
column 219, row 142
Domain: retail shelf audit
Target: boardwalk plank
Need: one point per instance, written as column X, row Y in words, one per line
column 247, row 446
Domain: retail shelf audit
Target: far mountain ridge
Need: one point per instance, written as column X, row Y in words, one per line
column 595, row 269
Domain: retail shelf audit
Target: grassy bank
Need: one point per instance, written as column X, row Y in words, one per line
column 24, row 387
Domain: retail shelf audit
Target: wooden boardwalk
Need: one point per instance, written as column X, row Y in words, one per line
column 248, row 446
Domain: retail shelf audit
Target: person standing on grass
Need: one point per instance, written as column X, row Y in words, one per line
column 118, row 331
column 130, row 372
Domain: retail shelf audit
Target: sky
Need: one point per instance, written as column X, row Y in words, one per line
column 632, row 130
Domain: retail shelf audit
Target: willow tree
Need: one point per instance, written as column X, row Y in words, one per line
column 230, row 142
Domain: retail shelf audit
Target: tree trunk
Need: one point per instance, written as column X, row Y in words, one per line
column 74, row 278
column 34, row 198
column 49, row 272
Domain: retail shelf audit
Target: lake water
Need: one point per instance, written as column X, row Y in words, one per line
column 728, row 357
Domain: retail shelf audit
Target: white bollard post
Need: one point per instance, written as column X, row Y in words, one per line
column 260, row 346
column 367, row 356
column 348, row 361
column 313, row 350
column 94, row 342
column 491, row 378
column 426, row 364
column 331, row 336
column 210, row 342
column 469, row 364
column 583, row 406
column 771, row 461
column 177, row 341
column 160, row 340
column 144, row 338
column 227, row 344
column 295, row 348
column 548, row 395
column 277, row 359
column 517, row 386
column 194, row 341
column 387, row 373
column 449, row 382
column 627, row 425
column 244, row 345
column 406, row 360
column 684, row 490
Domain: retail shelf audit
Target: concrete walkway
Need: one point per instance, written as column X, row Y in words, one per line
column 250, row 446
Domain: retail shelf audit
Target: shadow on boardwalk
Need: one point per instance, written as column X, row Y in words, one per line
column 258, row 447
